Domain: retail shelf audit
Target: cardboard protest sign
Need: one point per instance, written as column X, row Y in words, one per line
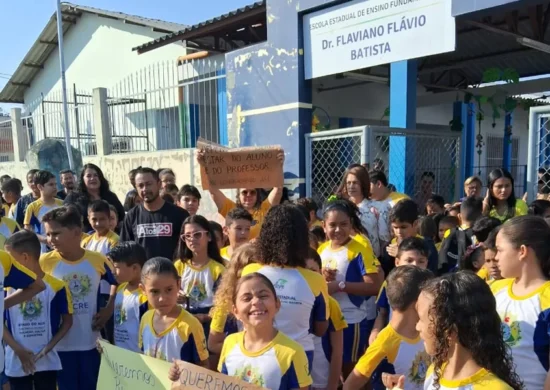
column 125, row 370
column 250, row 167
column 195, row 377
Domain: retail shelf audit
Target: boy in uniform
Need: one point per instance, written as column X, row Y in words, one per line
column 237, row 228
column 130, row 301
column 47, row 185
column 34, row 327
column 82, row 270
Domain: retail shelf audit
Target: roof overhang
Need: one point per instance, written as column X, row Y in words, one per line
column 246, row 24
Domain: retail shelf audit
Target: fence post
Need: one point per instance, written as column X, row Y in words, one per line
column 507, row 140
column 18, row 136
column 532, row 154
column 102, row 127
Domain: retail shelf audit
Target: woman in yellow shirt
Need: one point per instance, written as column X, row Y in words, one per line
column 500, row 201
column 247, row 198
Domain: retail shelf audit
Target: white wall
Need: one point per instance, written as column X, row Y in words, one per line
column 98, row 53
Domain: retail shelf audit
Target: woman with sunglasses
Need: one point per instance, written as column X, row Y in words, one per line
column 247, row 198
column 199, row 266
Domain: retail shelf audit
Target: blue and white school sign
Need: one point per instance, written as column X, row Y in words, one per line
column 361, row 34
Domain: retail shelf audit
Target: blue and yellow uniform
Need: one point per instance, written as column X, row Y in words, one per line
column 481, row 380
column 525, row 326
column 224, row 253
column 14, row 275
column 323, row 349
column 34, row 323
column 130, row 306
column 280, row 365
column 34, row 214
column 7, row 228
column 258, row 215
column 77, row 350
column 304, row 300
column 406, row 356
column 183, row 339
column 199, row 284
column 352, row 262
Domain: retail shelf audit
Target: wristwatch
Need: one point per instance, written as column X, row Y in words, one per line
column 342, row 286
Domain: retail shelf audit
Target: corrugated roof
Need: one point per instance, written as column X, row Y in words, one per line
column 46, row 43
column 186, row 33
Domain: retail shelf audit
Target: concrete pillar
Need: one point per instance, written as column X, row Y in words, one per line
column 19, row 138
column 102, row 128
column 402, row 115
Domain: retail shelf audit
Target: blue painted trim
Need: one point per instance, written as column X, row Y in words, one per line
column 471, row 140
column 507, row 143
column 460, row 113
column 222, row 108
column 402, row 115
column 194, row 123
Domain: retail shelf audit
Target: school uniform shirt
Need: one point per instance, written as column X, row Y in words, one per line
column 280, row 365
column 395, row 197
column 526, row 329
column 224, row 253
column 5, row 209
column 21, row 208
column 481, row 380
column 34, row 323
column 11, row 211
column 520, row 208
column 14, row 275
column 374, row 217
column 157, row 231
column 82, row 277
column 102, row 245
column 258, row 215
column 382, row 301
column 7, row 228
column 407, row 356
column 34, row 214
column 222, row 323
column 351, row 262
column 130, row 306
column 199, row 284
column 99, row 244
column 304, row 299
column 183, row 339
column 433, row 256
column 320, row 369
column 361, row 239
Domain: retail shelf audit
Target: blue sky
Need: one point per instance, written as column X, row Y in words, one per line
column 25, row 19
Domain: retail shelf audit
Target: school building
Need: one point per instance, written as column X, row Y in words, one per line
column 422, row 86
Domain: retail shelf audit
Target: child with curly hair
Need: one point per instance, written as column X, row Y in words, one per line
column 460, row 326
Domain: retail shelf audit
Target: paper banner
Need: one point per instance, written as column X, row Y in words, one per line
column 125, row 370
column 195, row 377
column 249, row 167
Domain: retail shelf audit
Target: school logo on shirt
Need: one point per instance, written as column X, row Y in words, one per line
column 31, row 309
column 280, row 284
column 250, row 375
column 331, row 264
column 156, row 353
column 420, row 365
column 163, row 229
column 120, row 314
column 511, row 330
column 197, row 291
column 79, row 285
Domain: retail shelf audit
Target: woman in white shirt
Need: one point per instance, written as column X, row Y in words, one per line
column 374, row 214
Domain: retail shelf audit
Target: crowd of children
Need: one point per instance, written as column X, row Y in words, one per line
column 369, row 292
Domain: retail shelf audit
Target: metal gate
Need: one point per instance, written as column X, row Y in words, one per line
column 538, row 155
column 329, row 153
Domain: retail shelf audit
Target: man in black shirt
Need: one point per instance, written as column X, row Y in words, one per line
column 154, row 224
column 67, row 178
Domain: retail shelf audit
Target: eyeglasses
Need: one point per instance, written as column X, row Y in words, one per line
column 193, row 236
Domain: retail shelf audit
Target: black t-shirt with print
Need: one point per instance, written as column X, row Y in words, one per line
column 157, row 231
